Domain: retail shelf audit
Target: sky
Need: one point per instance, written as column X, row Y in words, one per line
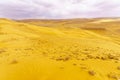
column 59, row 9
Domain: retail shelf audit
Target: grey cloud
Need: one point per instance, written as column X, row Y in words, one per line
column 20, row 9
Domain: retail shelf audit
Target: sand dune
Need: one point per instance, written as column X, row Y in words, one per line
column 59, row 50
column 106, row 20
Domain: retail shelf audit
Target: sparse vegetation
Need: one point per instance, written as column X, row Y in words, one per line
column 74, row 64
column 2, row 51
column 63, row 59
column 118, row 67
column 14, row 62
column 91, row 72
column 113, row 76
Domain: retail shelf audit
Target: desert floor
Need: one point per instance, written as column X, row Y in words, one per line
column 76, row 49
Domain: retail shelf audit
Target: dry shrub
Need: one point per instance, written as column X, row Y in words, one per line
column 92, row 73
column 63, row 59
column 14, row 62
column 113, row 76
column 90, row 56
column 113, row 57
column 103, row 58
column 74, row 64
column 118, row 67
column 1, row 51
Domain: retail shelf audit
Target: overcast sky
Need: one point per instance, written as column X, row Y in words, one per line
column 55, row 9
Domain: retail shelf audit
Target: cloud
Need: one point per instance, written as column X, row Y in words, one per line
column 20, row 9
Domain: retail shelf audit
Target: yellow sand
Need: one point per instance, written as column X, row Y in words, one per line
column 30, row 52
